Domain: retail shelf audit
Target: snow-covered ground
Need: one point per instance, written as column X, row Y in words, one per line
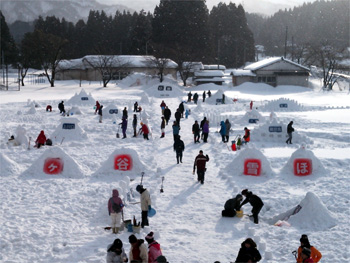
column 61, row 218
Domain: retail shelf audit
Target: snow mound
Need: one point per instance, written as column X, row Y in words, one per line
column 282, row 104
column 313, row 215
column 7, row 166
column 275, row 131
column 21, row 136
column 81, row 99
column 144, row 99
column 218, row 96
column 74, row 111
column 110, row 111
column 70, row 168
column 108, row 167
column 135, row 79
column 165, row 90
column 32, row 109
column 302, row 153
column 31, row 103
column 251, row 115
column 207, row 86
column 236, row 167
column 70, row 130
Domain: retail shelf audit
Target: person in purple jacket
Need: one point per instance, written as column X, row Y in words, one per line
column 115, row 207
column 124, row 125
column 205, row 131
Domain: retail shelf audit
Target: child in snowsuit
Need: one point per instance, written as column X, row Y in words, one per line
column 115, row 203
column 246, row 136
column 154, row 250
column 304, row 243
column 176, row 130
column 179, row 147
column 145, row 200
column 116, row 252
column 162, row 106
column 61, row 107
column 138, row 250
column 144, row 130
column 231, row 206
column 255, row 202
column 41, row 140
column 248, row 251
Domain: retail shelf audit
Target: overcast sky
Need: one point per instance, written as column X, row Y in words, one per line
column 252, row 6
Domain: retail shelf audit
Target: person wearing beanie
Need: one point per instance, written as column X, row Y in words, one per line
column 255, row 202
column 248, row 252
column 305, row 255
column 154, row 250
column 138, row 250
column 116, row 252
column 231, row 206
column 145, row 200
column 304, row 243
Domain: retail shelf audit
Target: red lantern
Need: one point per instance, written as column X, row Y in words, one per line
column 53, row 166
column 302, row 167
column 252, row 167
column 123, row 162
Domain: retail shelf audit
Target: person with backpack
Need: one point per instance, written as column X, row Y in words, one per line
column 116, row 252
column 176, row 130
column 196, row 131
column 138, row 250
column 97, row 106
column 231, row 206
column 61, row 107
column 200, row 163
column 162, row 127
column 167, row 114
column 145, row 200
column 115, row 207
column 290, row 130
column 100, row 113
column 255, row 201
column 134, row 125
column 40, row 140
column 154, row 250
column 246, row 136
column 179, row 147
column 314, row 253
column 248, row 252
column 222, row 131
column 228, row 128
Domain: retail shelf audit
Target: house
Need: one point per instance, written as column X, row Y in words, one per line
column 88, row 67
column 274, row 71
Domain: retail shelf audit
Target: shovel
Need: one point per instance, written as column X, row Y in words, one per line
column 142, row 174
column 161, row 189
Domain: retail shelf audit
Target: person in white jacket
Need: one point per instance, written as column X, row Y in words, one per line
column 145, row 200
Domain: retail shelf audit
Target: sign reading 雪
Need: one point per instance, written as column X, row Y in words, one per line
column 84, row 98
column 123, row 162
column 283, row 105
column 302, row 167
column 275, row 128
column 252, row 167
column 68, row 126
column 113, row 111
column 253, row 120
column 53, row 166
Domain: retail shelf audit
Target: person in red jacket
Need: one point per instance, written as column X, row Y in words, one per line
column 200, row 163
column 144, row 130
column 154, row 250
column 246, row 136
column 97, row 106
column 41, row 140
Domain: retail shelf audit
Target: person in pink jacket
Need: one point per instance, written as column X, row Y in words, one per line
column 154, row 250
column 115, row 203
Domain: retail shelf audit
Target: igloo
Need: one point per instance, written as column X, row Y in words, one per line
column 82, row 99
column 111, row 112
column 216, row 98
column 282, row 104
column 69, row 130
column 52, row 163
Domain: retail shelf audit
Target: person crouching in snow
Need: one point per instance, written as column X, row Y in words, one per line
column 144, row 130
column 115, row 207
column 145, row 200
column 246, row 136
column 41, row 140
column 315, row 254
column 154, row 250
column 248, row 252
column 231, row 206
column 255, row 202
column 116, row 252
column 138, row 251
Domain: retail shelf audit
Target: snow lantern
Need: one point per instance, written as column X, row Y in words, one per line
column 252, row 167
column 53, row 166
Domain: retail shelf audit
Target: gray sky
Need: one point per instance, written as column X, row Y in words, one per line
column 252, row 6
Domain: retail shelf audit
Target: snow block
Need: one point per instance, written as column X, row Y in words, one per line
column 252, row 116
column 165, row 90
column 282, row 104
column 70, row 130
column 111, row 111
column 82, row 99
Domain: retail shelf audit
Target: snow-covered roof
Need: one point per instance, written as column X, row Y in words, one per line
column 126, row 60
column 194, row 66
column 242, row 72
column 269, row 61
column 209, row 73
column 213, row 67
column 215, row 79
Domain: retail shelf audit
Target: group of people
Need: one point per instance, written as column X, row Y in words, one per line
column 195, row 96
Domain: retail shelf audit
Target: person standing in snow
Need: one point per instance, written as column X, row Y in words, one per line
column 125, row 113
column 182, row 109
column 195, row 98
column 189, row 96
column 314, row 253
column 40, row 140
column 200, row 163
column 115, row 207
column 134, row 125
column 124, row 125
column 179, row 147
column 97, row 106
column 204, row 96
column 209, row 93
column 154, row 250
column 162, row 127
column 187, row 112
column 176, row 130
column 246, row 136
column 100, row 113
column 223, row 98
column 222, row 131
column 138, row 250
column 116, row 252
column 196, row 131
column 290, row 130
column 145, row 200
column 248, row 252
column 167, row 114
column 61, row 107
column 201, row 126
column 162, row 106
column 228, row 128
column 255, row 202
column 306, row 256
column 205, row 131
column 136, row 105
column 231, row 206
column 178, row 116
column 144, row 130
column 251, row 105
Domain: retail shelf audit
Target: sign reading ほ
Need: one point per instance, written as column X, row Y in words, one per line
column 123, row 162
column 302, row 167
column 252, row 167
column 53, row 166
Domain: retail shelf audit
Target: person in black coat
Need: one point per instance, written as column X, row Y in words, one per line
column 209, row 94
column 255, row 202
column 167, row 114
column 290, row 130
column 136, row 105
column 61, row 107
column 196, row 131
column 231, row 206
column 204, row 96
column 182, row 109
column 125, row 113
column 179, row 147
column 178, row 116
column 189, row 96
column 100, row 113
column 134, row 125
column 195, row 98
column 248, row 252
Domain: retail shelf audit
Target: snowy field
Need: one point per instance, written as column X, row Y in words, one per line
column 61, row 218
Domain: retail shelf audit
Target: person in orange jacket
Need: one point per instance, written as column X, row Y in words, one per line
column 304, row 243
column 41, row 140
column 246, row 136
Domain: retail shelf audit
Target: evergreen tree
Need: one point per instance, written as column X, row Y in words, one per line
column 141, row 34
column 9, row 51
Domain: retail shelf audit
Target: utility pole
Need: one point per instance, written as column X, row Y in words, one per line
column 285, row 43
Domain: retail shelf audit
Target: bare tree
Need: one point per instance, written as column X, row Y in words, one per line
column 159, row 63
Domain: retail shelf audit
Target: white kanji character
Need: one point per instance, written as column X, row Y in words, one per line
column 52, row 167
column 123, row 164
